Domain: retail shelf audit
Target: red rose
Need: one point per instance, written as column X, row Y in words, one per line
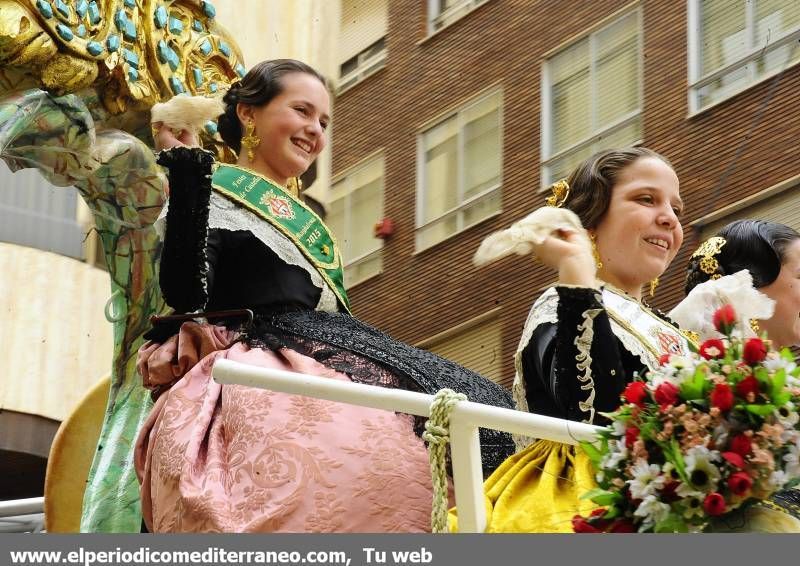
column 636, row 393
column 748, row 385
column 724, row 318
column 714, row 504
column 663, row 359
column 631, row 436
column 722, row 397
column 740, row 483
column 621, row 526
column 734, row 459
column 754, row 351
column 741, row 444
column 581, row 525
column 713, row 348
column 666, row 394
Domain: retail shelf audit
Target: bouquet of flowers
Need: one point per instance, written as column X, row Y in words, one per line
column 703, row 436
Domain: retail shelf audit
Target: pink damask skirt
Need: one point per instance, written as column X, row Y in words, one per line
column 229, row 458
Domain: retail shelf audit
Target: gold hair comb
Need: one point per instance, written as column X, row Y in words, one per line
column 560, row 190
column 707, row 250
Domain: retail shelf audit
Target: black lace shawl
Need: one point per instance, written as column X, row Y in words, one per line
column 193, row 278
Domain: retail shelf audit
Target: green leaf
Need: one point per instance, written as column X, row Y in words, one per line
column 595, row 454
column 692, row 389
column 672, row 524
column 676, row 457
column 762, row 375
column 760, row 410
column 602, row 497
column 778, row 383
column 781, row 398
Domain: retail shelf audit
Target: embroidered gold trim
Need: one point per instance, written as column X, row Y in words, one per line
column 584, row 358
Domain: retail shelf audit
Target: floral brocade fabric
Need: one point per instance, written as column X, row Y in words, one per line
column 227, row 458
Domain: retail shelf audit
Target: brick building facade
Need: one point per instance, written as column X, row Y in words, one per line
column 727, row 118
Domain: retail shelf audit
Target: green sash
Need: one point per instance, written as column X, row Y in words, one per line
column 290, row 216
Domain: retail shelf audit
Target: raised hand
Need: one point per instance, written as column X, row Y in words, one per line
column 570, row 253
column 165, row 137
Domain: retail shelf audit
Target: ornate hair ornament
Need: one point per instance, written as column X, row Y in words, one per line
column 560, row 191
column 707, row 250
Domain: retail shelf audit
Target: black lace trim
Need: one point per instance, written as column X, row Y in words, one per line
column 367, row 355
column 184, row 265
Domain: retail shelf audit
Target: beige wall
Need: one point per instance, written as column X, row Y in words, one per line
column 55, row 338
column 298, row 29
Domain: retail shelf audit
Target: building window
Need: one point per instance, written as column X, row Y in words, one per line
column 476, row 345
column 36, row 214
column 592, row 96
column 356, row 205
column 362, row 41
column 444, row 12
column 362, row 65
column 734, row 44
column 459, row 171
column 775, row 204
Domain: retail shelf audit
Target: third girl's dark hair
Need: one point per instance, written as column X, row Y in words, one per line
column 756, row 245
column 261, row 84
column 591, row 183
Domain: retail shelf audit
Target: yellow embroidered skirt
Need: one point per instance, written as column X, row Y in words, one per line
column 537, row 490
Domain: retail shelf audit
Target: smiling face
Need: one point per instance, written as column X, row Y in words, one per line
column 291, row 127
column 640, row 234
column 784, row 326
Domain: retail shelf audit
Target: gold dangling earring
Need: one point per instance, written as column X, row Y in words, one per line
column 653, row 285
column 595, row 252
column 754, row 326
column 250, row 140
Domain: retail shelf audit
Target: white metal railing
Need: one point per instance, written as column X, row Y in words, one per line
column 465, row 420
column 22, row 515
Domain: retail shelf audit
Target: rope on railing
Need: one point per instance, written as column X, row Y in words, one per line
column 437, row 435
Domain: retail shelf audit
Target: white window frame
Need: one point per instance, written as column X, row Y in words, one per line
column 350, row 262
column 368, row 65
column 732, row 211
column 462, row 204
column 547, row 157
column 438, row 20
column 695, row 41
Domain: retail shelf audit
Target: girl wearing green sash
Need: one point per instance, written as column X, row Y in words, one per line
column 236, row 459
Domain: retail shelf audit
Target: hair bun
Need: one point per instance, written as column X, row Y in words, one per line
column 232, row 96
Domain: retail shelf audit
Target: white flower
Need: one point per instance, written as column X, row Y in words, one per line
column 703, row 475
column 693, row 505
column 787, row 415
column 774, row 362
column 619, row 428
column 792, row 460
column 652, row 510
column 777, row 480
column 646, row 480
column 617, row 452
column 685, row 490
